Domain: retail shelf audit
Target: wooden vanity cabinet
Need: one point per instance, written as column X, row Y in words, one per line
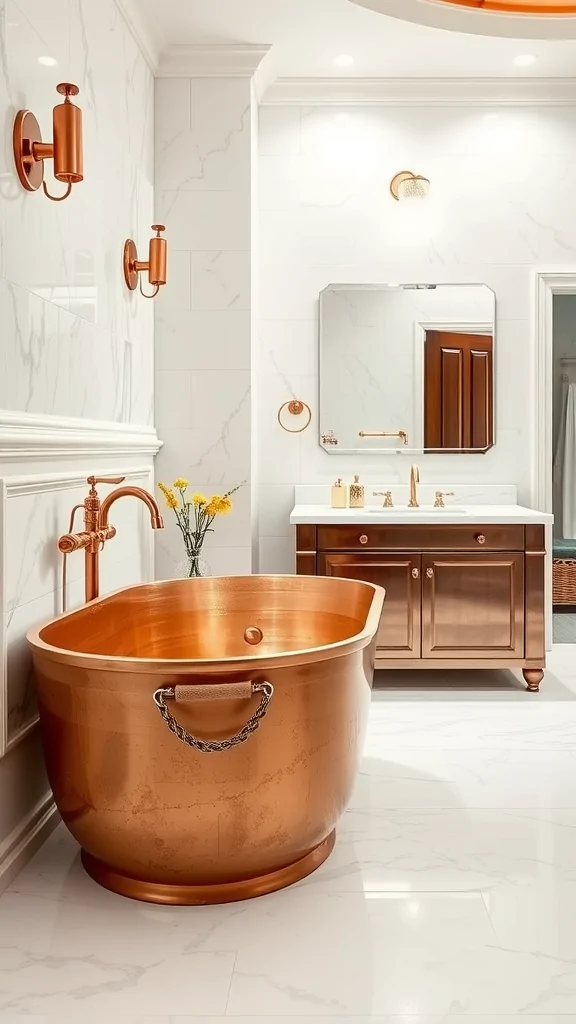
column 456, row 596
column 399, row 634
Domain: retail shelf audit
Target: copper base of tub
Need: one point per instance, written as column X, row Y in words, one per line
column 206, row 895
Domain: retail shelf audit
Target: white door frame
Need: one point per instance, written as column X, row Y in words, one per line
column 547, row 283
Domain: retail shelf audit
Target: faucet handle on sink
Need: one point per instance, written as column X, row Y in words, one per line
column 387, row 495
column 440, row 495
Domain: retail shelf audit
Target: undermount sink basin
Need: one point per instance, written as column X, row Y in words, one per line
column 423, row 510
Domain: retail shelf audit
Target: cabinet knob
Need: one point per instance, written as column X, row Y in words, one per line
column 480, row 538
column 429, row 573
column 415, row 573
column 363, row 538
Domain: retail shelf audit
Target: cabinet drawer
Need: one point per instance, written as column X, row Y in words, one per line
column 368, row 537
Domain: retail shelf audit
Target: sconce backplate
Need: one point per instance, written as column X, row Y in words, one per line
column 130, row 257
column 397, row 181
column 26, row 133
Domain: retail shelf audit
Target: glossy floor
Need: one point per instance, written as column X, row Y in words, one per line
column 451, row 892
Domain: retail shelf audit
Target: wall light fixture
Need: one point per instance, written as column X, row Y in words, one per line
column 66, row 149
column 155, row 265
column 406, row 185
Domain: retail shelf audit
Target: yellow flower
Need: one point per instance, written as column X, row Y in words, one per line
column 198, row 499
column 218, row 505
column 180, row 484
column 169, row 496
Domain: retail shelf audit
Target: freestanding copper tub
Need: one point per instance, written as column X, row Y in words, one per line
column 202, row 736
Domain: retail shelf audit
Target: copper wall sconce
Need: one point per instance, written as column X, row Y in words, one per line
column 406, row 185
column 155, row 265
column 66, row 149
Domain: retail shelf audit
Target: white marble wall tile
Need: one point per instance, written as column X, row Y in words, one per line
column 221, row 280
column 288, row 347
column 277, row 555
column 204, row 324
column 279, row 131
column 326, row 216
column 73, row 264
column 202, row 340
column 204, row 220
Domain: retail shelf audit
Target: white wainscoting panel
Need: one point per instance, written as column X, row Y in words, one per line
column 34, row 511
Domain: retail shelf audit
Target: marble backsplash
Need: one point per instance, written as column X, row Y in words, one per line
column 463, row 494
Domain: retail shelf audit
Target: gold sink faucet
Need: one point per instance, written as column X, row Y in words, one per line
column 97, row 529
column 414, row 479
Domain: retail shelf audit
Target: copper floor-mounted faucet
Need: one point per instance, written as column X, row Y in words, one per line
column 97, row 529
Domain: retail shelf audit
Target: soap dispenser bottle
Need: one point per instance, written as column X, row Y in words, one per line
column 339, row 494
column 356, row 493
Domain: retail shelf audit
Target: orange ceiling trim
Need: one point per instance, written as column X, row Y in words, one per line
column 534, row 7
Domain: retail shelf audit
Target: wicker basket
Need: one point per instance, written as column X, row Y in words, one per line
column 564, row 581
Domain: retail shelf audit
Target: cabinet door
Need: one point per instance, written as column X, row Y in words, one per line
column 399, row 633
column 473, row 606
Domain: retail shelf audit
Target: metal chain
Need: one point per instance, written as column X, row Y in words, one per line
column 214, row 746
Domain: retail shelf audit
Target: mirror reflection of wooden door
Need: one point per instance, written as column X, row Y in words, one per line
column 458, row 381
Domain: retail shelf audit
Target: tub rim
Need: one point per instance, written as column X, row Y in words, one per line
column 155, row 666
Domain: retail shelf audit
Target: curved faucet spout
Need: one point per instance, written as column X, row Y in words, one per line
column 156, row 520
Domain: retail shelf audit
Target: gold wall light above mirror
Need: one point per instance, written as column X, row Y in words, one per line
column 407, row 185
column 65, row 150
column 155, row 264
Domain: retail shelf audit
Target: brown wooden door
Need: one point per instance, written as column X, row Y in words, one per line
column 473, row 605
column 399, row 633
column 458, row 397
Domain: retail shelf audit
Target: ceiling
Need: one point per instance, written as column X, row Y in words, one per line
column 306, row 35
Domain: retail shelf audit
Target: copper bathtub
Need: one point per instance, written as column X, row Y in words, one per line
column 202, row 737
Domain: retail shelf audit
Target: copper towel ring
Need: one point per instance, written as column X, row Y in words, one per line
column 296, row 408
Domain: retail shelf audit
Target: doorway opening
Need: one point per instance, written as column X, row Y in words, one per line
column 564, row 467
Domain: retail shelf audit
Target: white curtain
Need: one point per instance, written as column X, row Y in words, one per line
column 565, row 463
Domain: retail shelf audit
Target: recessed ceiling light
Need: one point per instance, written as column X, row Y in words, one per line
column 344, row 60
column 48, row 62
column 524, row 60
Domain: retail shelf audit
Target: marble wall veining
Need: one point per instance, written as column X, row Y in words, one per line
column 77, row 353
column 77, row 342
column 500, row 204
column 205, row 163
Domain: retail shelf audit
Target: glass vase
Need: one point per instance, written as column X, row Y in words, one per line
column 194, row 566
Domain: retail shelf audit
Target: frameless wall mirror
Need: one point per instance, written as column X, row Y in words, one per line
column 407, row 368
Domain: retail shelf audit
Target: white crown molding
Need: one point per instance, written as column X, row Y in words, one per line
column 421, row 91
column 25, row 436
column 145, row 29
column 224, row 60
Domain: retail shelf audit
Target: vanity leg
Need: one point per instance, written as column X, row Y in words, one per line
column 533, row 677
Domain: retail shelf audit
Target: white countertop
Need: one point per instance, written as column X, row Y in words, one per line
column 323, row 515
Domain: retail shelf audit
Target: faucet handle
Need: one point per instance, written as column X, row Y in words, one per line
column 387, row 495
column 93, row 480
column 105, row 479
column 440, row 495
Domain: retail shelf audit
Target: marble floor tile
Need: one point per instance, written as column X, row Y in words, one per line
column 453, row 851
column 450, row 897
column 500, row 777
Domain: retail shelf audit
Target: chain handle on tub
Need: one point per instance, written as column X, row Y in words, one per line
column 217, row 692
